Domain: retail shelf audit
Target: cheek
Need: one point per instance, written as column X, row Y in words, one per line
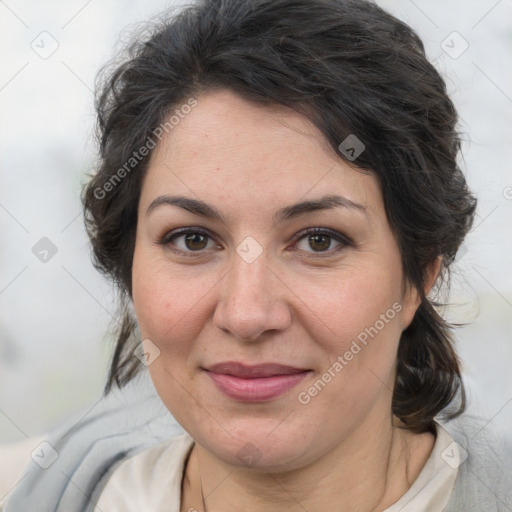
column 356, row 320
column 171, row 314
column 348, row 304
column 358, row 330
column 162, row 298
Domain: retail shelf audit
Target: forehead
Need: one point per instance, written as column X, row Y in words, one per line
column 227, row 148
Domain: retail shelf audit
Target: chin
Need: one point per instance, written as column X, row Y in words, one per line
column 268, row 444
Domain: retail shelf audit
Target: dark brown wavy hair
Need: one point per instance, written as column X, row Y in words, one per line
column 351, row 68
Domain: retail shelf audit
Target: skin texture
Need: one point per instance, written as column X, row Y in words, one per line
column 288, row 306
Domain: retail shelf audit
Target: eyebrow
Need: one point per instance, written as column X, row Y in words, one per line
column 203, row 209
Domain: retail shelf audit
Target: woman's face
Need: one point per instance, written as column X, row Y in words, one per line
column 255, row 287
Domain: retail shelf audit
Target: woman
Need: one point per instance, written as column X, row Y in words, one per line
column 279, row 200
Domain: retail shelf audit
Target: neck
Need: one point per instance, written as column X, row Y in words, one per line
column 365, row 472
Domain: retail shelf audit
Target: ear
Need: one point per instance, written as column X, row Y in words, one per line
column 412, row 298
column 432, row 274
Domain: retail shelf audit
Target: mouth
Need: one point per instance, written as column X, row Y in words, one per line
column 256, row 383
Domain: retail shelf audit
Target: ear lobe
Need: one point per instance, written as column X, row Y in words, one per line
column 433, row 271
column 412, row 298
column 411, row 302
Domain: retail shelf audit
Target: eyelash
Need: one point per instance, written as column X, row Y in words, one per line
column 343, row 240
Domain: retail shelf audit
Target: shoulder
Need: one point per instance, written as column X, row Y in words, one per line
column 153, row 474
column 484, row 479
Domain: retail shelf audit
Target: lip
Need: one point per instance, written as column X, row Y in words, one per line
column 254, row 383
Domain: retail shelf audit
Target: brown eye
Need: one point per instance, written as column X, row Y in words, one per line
column 195, row 241
column 316, row 240
column 188, row 241
column 319, row 242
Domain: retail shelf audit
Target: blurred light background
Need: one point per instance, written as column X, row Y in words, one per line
column 54, row 307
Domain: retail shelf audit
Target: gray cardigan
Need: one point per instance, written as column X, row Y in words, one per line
column 484, row 479
column 120, row 425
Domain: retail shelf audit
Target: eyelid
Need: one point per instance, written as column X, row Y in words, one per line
column 327, row 231
column 183, row 231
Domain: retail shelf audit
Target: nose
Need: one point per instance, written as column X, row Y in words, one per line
column 252, row 300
